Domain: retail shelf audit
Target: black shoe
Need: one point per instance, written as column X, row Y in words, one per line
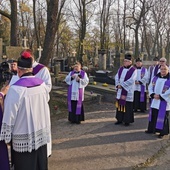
column 135, row 110
column 117, row 123
column 78, row 122
column 146, row 131
column 160, row 136
column 142, row 111
column 126, row 124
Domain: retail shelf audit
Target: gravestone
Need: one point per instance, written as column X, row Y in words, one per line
column 102, row 59
column 62, row 63
column 25, row 42
column 71, row 62
column 39, row 53
column 104, row 76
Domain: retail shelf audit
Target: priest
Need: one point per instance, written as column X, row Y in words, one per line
column 26, row 119
column 140, row 99
column 124, row 82
column 159, row 91
column 77, row 81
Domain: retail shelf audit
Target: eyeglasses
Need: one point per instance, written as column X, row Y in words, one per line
column 161, row 61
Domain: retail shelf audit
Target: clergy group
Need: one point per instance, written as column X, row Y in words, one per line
column 135, row 84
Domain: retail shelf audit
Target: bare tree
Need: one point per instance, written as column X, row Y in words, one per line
column 104, row 21
column 14, row 23
column 81, row 18
column 54, row 13
column 138, row 10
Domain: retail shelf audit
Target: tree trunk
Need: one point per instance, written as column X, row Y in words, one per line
column 14, row 23
column 52, row 11
column 136, row 43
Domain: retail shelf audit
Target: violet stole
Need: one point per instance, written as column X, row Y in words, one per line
column 29, row 82
column 162, row 108
column 156, row 70
column 142, row 94
column 122, row 100
column 79, row 102
column 37, row 68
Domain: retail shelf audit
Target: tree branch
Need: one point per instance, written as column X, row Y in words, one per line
column 5, row 14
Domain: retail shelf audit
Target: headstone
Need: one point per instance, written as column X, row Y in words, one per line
column 102, row 59
column 74, row 53
column 39, row 53
column 25, row 42
column 104, row 76
column 13, row 52
column 71, row 62
column 62, row 63
column 57, row 69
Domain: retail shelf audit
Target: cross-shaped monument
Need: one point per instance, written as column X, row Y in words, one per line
column 39, row 53
column 25, row 42
column 74, row 53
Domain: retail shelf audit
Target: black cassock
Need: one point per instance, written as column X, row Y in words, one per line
column 128, row 115
column 72, row 117
column 137, row 104
column 152, row 123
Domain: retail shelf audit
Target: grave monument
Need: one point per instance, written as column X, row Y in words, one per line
column 102, row 59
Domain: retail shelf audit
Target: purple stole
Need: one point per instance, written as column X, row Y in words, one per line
column 162, row 106
column 37, row 68
column 142, row 94
column 156, row 70
column 79, row 102
column 122, row 100
column 29, row 82
column 4, row 160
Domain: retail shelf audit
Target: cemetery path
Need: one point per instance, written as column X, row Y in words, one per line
column 98, row 144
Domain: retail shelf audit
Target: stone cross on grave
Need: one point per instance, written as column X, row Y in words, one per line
column 39, row 53
column 25, row 42
column 74, row 53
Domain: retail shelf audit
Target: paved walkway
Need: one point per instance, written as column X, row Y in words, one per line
column 98, row 144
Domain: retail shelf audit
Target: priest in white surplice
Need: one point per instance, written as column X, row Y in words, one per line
column 140, row 98
column 26, row 119
column 77, row 81
column 42, row 72
column 159, row 91
column 124, row 82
